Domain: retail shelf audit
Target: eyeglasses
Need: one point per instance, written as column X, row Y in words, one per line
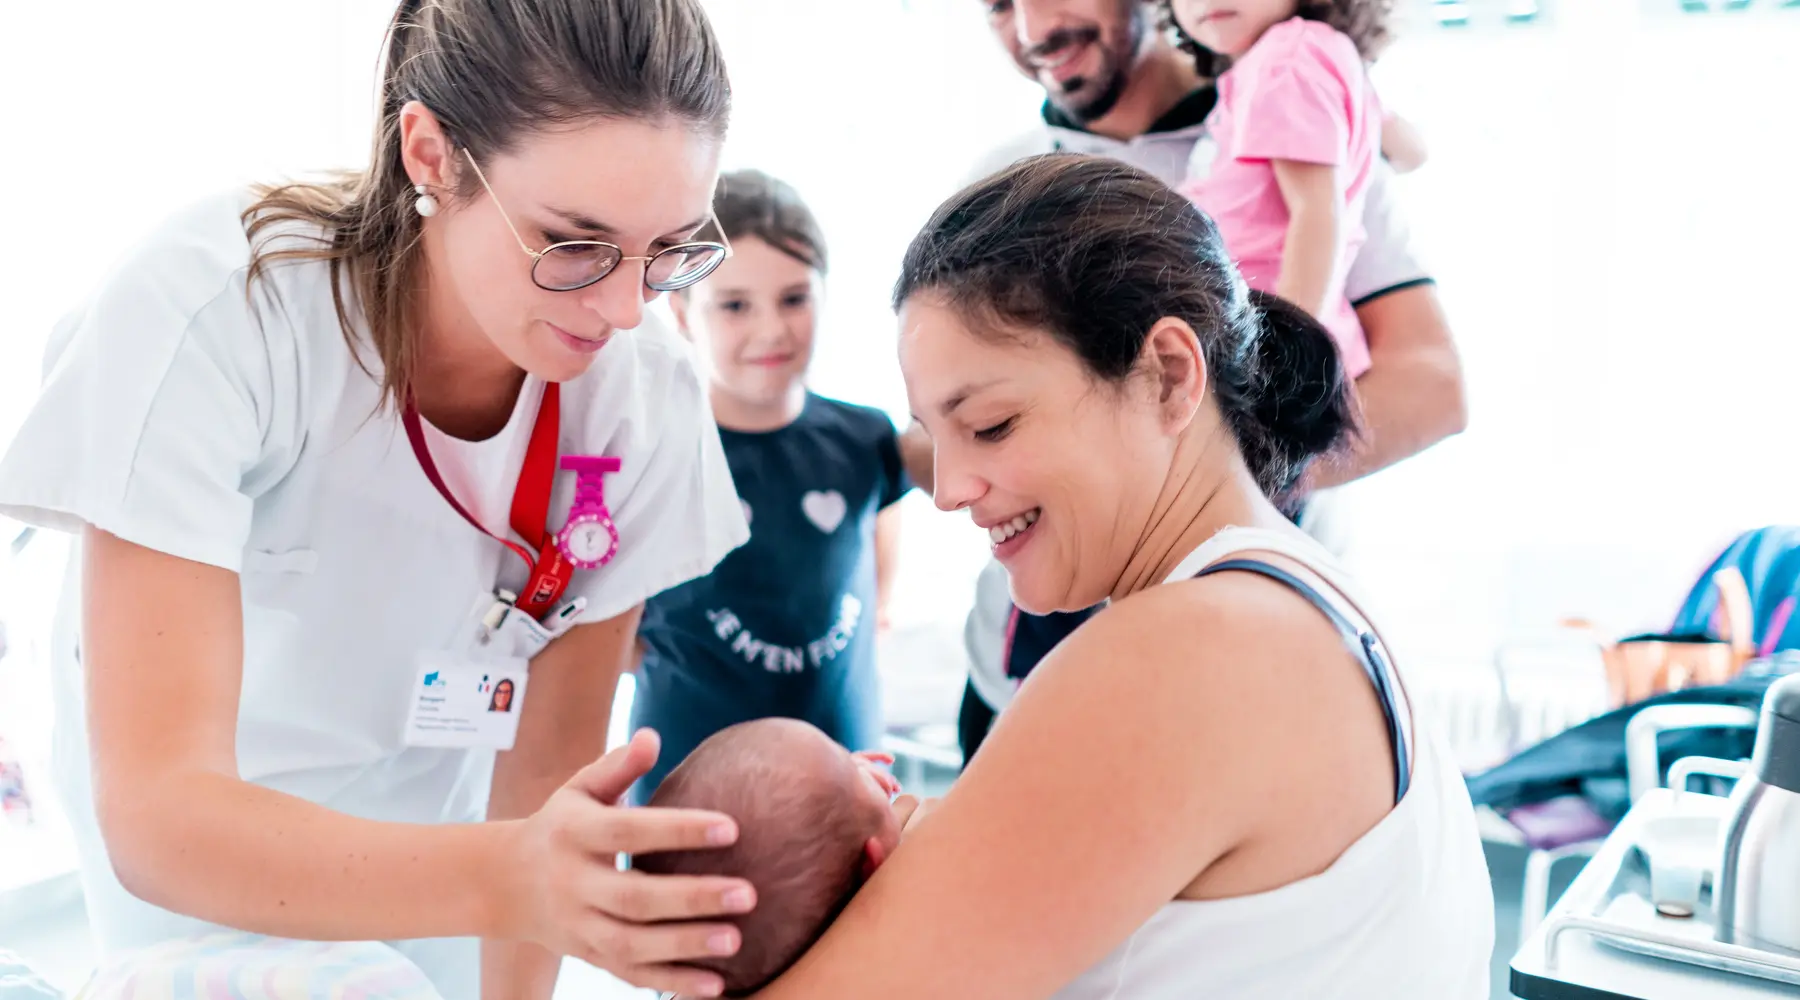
column 575, row 264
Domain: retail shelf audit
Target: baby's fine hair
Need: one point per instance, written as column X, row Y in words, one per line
column 800, row 843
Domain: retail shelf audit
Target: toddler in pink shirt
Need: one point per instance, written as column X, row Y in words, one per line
column 1294, row 138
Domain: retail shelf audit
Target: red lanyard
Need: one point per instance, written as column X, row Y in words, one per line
column 549, row 571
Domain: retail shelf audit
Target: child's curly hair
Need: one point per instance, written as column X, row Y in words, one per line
column 1365, row 21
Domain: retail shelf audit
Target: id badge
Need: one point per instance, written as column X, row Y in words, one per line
column 471, row 697
column 462, row 703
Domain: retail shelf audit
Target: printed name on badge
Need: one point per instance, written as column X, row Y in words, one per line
column 460, row 704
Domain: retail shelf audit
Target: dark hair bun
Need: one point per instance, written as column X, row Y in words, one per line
column 1303, row 406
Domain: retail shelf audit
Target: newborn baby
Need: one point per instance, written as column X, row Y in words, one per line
column 813, row 824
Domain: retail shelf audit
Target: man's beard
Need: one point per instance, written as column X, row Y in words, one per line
column 1093, row 104
column 1084, row 101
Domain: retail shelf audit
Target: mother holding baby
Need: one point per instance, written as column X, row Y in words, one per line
column 1217, row 786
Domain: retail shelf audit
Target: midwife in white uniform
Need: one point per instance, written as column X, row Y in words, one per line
column 292, row 684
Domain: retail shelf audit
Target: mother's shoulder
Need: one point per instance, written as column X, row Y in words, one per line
column 1218, row 605
column 1228, row 631
column 1185, row 627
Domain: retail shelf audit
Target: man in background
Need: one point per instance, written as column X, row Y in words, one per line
column 1116, row 85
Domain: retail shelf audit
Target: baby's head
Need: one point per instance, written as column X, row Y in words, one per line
column 812, row 825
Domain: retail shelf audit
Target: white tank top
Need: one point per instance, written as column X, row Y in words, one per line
column 1405, row 912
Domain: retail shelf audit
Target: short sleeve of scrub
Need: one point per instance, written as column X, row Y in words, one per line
column 150, row 423
column 681, row 515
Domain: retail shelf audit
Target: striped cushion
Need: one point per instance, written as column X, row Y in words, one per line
column 234, row 966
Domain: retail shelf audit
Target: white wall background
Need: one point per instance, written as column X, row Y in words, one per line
column 1609, row 209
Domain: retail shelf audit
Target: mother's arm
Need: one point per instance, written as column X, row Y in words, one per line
column 1100, row 785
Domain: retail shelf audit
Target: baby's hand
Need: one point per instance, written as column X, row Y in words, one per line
column 875, row 762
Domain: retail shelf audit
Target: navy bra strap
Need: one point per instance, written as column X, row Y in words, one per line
column 1363, row 644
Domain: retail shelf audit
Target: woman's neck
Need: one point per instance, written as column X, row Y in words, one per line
column 735, row 413
column 1209, row 489
column 1163, row 78
column 461, row 382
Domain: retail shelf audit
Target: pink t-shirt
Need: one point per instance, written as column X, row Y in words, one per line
column 1301, row 93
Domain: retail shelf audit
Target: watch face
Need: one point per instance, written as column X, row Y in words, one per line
column 588, row 540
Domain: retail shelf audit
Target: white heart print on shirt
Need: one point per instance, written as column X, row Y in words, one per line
column 825, row 510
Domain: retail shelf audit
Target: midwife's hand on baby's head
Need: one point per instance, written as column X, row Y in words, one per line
column 562, row 890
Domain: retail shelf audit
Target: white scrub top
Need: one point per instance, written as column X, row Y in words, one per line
column 229, row 425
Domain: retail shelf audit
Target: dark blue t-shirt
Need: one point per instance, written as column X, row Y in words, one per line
column 785, row 626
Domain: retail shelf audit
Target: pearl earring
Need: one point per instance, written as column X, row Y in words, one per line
column 426, row 205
